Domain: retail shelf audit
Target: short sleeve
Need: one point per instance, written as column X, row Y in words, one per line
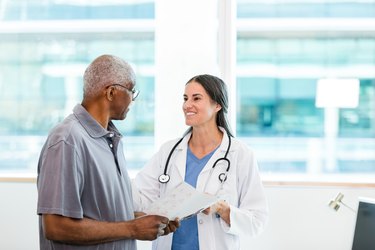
column 59, row 181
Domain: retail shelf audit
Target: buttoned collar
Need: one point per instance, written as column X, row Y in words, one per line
column 93, row 128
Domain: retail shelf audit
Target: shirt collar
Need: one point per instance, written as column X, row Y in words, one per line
column 93, row 128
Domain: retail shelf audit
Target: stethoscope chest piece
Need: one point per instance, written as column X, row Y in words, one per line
column 164, row 178
column 222, row 177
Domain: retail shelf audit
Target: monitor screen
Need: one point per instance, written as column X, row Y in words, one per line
column 364, row 233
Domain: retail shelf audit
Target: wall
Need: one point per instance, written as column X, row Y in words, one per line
column 18, row 219
column 299, row 218
column 185, row 46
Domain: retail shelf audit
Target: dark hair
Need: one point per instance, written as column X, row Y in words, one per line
column 217, row 90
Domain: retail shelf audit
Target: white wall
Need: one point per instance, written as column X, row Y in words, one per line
column 182, row 51
column 299, row 218
column 18, row 219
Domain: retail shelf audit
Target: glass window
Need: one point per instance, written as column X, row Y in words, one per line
column 79, row 10
column 277, row 75
column 41, row 75
column 305, row 9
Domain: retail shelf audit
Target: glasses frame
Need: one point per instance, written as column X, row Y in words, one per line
column 135, row 92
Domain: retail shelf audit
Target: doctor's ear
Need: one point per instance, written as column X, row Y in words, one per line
column 218, row 107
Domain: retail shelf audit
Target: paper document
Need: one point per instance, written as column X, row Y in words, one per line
column 182, row 202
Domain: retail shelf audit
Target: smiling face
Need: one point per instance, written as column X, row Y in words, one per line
column 199, row 109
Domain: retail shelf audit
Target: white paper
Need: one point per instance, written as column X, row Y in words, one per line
column 182, row 202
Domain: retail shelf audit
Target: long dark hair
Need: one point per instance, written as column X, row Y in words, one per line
column 217, row 90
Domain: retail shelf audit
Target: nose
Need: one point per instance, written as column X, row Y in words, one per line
column 186, row 104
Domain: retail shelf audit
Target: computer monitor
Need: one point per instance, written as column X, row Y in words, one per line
column 364, row 233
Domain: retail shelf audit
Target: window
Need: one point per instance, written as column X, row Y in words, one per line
column 281, row 55
column 283, row 48
column 46, row 46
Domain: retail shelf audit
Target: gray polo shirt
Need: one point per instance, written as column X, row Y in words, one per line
column 82, row 173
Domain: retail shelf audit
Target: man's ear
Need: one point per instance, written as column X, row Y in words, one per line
column 110, row 93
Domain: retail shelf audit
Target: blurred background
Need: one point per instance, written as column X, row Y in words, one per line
column 281, row 50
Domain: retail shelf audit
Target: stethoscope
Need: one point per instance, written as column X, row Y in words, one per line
column 164, row 178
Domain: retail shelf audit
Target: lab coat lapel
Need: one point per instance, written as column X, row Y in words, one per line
column 204, row 176
column 180, row 162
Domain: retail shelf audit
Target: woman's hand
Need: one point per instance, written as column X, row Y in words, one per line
column 222, row 209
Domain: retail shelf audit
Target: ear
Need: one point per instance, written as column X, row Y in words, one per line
column 218, row 107
column 110, row 93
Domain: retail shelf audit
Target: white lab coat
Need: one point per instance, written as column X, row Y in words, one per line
column 243, row 190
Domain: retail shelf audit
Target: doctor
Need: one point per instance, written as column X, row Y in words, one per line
column 210, row 159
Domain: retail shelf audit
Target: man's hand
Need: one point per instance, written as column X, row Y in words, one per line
column 149, row 227
column 139, row 214
column 171, row 227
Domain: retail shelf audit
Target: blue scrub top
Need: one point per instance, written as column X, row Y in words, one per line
column 186, row 236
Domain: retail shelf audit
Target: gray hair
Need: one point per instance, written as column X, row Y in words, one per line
column 104, row 71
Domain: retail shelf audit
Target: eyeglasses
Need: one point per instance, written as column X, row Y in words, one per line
column 135, row 92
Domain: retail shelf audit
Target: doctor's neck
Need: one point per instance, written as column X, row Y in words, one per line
column 203, row 137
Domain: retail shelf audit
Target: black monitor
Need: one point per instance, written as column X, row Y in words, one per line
column 364, row 233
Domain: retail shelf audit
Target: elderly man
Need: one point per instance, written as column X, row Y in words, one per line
column 84, row 191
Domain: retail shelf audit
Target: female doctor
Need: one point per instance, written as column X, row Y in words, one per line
column 210, row 159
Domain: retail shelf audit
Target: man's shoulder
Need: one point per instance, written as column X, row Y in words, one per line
column 68, row 130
